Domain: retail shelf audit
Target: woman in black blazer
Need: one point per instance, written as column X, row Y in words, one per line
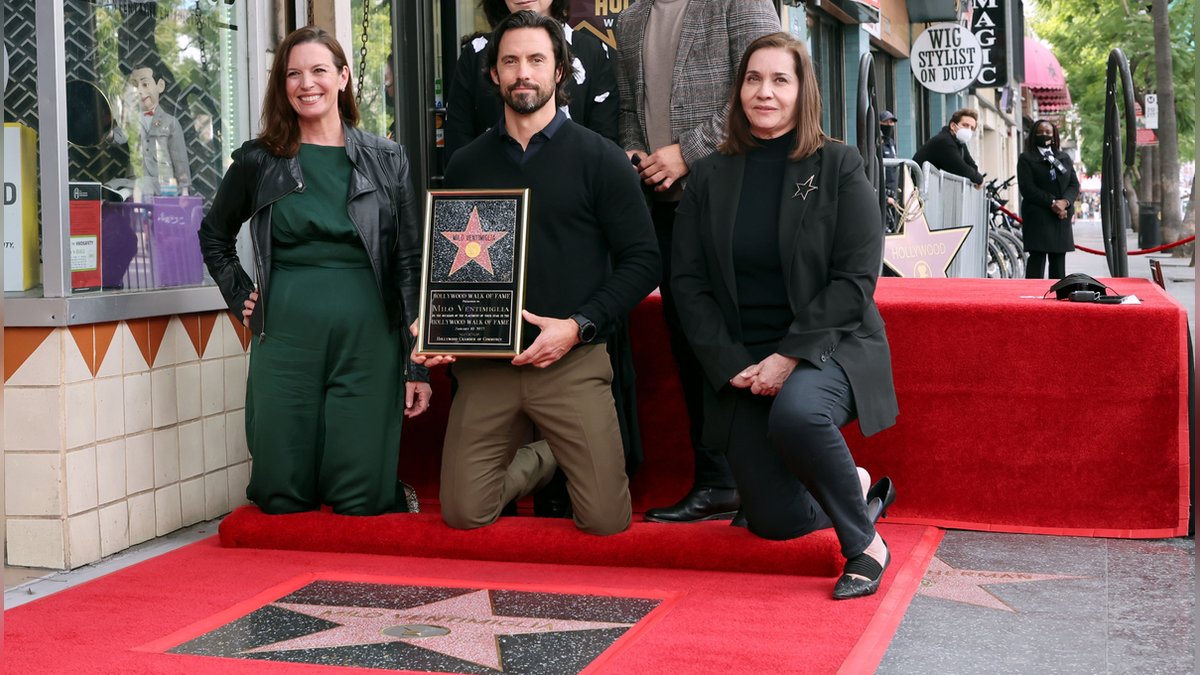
column 473, row 105
column 777, row 247
column 1049, row 188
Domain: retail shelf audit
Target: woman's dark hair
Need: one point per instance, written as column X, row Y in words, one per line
column 280, row 124
column 809, row 135
column 562, row 52
column 1029, row 145
column 496, row 10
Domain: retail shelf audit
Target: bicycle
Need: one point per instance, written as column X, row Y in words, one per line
column 1005, row 247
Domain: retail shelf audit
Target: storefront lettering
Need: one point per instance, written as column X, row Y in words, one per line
column 10, row 194
column 989, row 26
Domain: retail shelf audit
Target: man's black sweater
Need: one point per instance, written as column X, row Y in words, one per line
column 945, row 152
column 591, row 245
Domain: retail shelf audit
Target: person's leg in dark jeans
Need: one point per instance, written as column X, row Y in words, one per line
column 1058, row 265
column 1035, row 267
column 714, row 493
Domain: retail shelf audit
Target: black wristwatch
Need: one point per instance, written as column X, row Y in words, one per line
column 587, row 329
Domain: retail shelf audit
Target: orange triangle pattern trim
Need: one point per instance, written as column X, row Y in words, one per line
column 157, row 329
column 243, row 333
column 191, row 325
column 104, row 334
column 208, row 321
column 19, row 344
column 140, row 330
column 85, row 340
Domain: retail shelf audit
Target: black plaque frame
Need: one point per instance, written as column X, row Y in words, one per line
column 473, row 283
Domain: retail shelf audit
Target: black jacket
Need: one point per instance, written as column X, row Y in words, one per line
column 830, row 244
column 381, row 204
column 474, row 106
column 1041, row 229
column 946, row 153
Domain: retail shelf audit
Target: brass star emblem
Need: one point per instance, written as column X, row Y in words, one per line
column 803, row 189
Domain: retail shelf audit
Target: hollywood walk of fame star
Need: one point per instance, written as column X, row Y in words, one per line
column 918, row 251
column 803, row 189
column 463, row 627
column 473, row 244
column 967, row 586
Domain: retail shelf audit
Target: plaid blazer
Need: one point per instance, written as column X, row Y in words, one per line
column 713, row 38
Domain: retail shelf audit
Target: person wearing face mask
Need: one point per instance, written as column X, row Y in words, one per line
column 947, row 150
column 891, row 175
column 1049, row 187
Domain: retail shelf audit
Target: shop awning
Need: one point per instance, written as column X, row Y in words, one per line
column 1044, row 77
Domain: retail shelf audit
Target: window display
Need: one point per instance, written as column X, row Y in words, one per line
column 156, row 101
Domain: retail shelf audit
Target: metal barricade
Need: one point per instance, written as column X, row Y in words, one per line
column 953, row 201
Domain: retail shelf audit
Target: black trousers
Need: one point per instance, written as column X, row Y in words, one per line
column 794, row 471
column 711, row 467
column 1036, row 266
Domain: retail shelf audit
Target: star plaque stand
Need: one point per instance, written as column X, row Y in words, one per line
column 917, row 251
column 473, row 272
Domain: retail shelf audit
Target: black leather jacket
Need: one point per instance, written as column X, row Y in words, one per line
column 382, row 206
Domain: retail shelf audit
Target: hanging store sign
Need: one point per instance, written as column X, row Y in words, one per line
column 946, row 58
column 598, row 17
column 989, row 25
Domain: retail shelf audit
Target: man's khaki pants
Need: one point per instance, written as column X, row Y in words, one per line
column 572, row 406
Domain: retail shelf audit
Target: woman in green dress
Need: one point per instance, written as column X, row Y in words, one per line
column 336, row 244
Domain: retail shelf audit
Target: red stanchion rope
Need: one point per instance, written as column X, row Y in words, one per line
column 1144, row 251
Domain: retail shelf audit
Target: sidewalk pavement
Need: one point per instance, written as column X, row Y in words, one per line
column 1179, row 277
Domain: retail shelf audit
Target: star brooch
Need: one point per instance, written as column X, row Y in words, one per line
column 803, row 189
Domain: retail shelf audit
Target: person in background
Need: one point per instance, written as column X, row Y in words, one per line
column 891, row 175
column 590, row 258
column 947, row 149
column 677, row 60
column 473, row 105
column 774, row 266
column 337, row 256
column 1049, row 187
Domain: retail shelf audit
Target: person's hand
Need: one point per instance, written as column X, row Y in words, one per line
column 249, row 308
column 663, row 167
column 773, row 371
column 553, row 343
column 427, row 360
column 979, row 186
column 416, row 398
column 744, row 379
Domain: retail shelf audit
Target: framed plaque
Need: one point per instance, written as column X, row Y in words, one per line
column 473, row 272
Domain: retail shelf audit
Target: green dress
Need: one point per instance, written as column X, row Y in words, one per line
column 325, row 392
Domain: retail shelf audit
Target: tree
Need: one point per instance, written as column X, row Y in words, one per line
column 1082, row 32
column 1168, row 168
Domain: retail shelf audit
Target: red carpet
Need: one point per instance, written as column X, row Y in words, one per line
column 1017, row 414
column 719, row 622
column 700, row 546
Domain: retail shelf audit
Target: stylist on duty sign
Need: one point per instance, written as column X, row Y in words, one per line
column 946, row 58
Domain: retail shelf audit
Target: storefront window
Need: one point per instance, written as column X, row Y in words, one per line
column 826, row 44
column 155, row 103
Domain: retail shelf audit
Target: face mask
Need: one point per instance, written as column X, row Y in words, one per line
column 964, row 135
column 887, row 131
column 1043, row 141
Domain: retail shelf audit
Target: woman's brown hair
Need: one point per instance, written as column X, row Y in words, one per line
column 809, row 135
column 280, row 126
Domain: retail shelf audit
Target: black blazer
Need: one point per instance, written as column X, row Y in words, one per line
column 474, row 106
column 1042, row 230
column 830, row 247
column 945, row 152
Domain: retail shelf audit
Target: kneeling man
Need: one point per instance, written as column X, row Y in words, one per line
column 591, row 257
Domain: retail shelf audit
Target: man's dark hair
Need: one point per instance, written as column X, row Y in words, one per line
column 562, row 52
column 496, row 10
column 964, row 112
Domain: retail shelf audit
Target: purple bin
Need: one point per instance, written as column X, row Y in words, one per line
column 175, row 247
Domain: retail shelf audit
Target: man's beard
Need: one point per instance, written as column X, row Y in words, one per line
column 526, row 103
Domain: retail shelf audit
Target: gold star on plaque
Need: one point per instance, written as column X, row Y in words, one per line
column 473, row 244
